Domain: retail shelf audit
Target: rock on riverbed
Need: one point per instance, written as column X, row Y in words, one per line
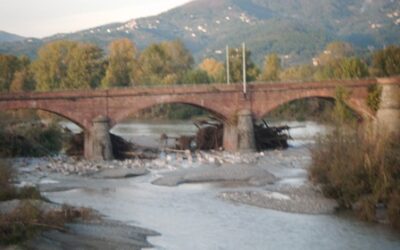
column 232, row 173
column 302, row 199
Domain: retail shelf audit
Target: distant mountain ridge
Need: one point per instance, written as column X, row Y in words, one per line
column 9, row 37
column 297, row 29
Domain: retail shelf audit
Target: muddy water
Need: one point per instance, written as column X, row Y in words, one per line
column 192, row 217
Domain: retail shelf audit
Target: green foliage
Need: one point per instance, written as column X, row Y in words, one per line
column 67, row 65
column 341, row 112
column 122, row 63
column 344, row 68
column 196, row 76
column 30, row 140
column 272, row 67
column 9, row 65
column 164, row 63
column 297, row 73
column 28, row 220
column 236, row 66
column 316, row 109
column 386, row 62
column 374, row 97
column 354, row 168
column 85, row 68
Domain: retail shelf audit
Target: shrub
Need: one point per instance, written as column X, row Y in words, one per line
column 31, row 140
column 353, row 168
column 374, row 97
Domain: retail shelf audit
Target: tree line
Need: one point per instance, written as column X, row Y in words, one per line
column 62, row 65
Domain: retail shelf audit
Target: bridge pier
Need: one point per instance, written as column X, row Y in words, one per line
column 388, row 115
column 97, row 140
column 240, row 136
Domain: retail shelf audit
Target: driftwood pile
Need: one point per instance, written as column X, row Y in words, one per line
column 271, row 137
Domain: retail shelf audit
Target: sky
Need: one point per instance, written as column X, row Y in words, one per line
column 41, row 18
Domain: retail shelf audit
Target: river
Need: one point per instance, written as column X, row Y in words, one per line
column 191, row 216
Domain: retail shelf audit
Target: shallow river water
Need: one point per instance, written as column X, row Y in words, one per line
column 191, row 216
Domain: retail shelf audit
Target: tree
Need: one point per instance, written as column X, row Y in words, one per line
column 196, row 76
column 344, row 68
column 23, row 80
column 8, row 66
column 122, row 61
column 297, row 73
column 236, row 66
column 215, row 69
column 386, row 62
column 67, row 65
column 334, row 51
column 351, row 68
column 164, row 63
column 50, row 68
column 272, row 67
column 85, row 68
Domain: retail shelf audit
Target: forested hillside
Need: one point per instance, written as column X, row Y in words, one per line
column 295, row 29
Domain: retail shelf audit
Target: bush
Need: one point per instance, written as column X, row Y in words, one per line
column 27, row 220
column 374, row 97
column 31, row 140
column 354, row 169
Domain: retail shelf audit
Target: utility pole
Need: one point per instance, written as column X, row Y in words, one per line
column 228, row 76
column 244, row 71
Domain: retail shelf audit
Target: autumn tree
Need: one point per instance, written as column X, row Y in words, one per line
column 85, row 68
column 334, row 51
column 236, row 66
column 272, row 67
column 386, row 62
column 164, row 63
column 23, row 78
column 67, row 65
column 214, row 68
column 122, row 63
column 8, row 66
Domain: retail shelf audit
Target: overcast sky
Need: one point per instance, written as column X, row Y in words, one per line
column 39, row 18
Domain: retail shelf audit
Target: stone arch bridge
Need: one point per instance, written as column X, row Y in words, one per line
column 96, row 110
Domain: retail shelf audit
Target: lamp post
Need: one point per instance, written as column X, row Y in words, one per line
column 244, row 71
column 228, row 80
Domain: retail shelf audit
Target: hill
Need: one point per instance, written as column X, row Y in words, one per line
column 8, row 37
column 297, row 29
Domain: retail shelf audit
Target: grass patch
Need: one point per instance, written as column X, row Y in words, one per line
column 28, row 219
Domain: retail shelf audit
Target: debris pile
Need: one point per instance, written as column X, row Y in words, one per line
column 271, row 137
column 210, row 137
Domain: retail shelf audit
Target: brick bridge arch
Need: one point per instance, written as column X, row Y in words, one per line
column 266, row 101
column 123, row 114
column 52, row 110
